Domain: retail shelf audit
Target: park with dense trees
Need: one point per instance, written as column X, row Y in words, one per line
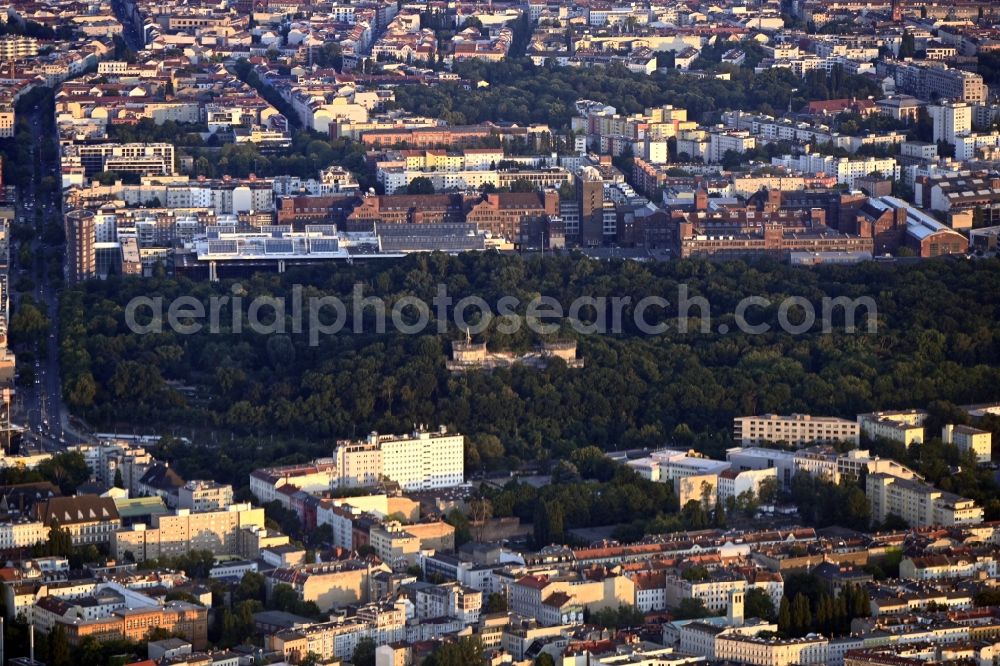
column 247, row 399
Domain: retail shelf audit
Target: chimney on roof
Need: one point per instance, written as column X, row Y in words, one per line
column 701, row 199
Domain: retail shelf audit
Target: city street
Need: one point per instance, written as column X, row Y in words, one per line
column 40, row 404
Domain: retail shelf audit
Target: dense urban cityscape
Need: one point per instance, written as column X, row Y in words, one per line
column 506, row 332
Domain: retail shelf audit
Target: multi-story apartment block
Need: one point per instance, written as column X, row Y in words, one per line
column 939, row 566
column 951, row 120
column 967, row 438
column 918, row 503
column 142, row 158
column 318, row 476
column 81, row 253
column 735, row 648
column 900, row 426
column 559, row 600
column 857, row 461
column 253, row 539
column 333, row 640
column 847, row 170
column 938, row 80
column 177, row 196
column 400, row 545
column 174, row 534
column 721, row 141
column 108, row 457
column 698, row 637
column 715, row 592
column 797, row 429
column 17, row 47
column 330, row 585
column 395, row 179
column 821, row 461
column 477, row 575
column 421, row 460
column 22, row 534
column 204, row 496
column 338, row 640
column 342, row 514
column 650, row 591
column 448, row 600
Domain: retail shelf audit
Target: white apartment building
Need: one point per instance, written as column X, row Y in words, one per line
column 222, row 196
column 919, row 504
column 561, row 600
column 204, row 495
column 340, row 518
column 797, row 429
column 655, row 152
column 666, row 465
column 967, row 438
column 650, row 591
column 22, row 534
column 449, row 600
column 715, row 592
column 108, row 457
column 721, row 141
column 769, row 129
column 820, row 461
column 846, row 170
column 919, row 149
column 969, row 146
column 736, row 648
column 825, row 462
column 114, row 67
column 318, row 476
column 340, row 515
column 699, row 638
column 853, row 462
column 695, row 143
column 905, row 426
column 938, row 566
column 951, row 120
column 339, row 639
column 420, row 460
column 395, row 179
column 733, row 483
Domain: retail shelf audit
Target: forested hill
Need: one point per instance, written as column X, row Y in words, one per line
column 936, row 340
